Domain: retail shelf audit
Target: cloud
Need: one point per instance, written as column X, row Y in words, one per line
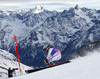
column 26, row 3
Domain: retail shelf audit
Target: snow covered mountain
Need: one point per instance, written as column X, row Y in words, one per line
column 68, row 31
column 39, row 9
column 9, row 60
column 87, row 67
column 88, row 49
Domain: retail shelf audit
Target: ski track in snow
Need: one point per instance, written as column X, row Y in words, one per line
column 87, row 67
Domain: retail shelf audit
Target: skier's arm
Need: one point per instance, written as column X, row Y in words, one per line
column 48, row 56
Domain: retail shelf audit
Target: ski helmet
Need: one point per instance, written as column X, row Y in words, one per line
column 45, row 47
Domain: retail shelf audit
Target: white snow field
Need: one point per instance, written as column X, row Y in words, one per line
column 87, row 67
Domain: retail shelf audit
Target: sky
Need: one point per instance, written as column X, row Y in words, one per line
column 59, row 5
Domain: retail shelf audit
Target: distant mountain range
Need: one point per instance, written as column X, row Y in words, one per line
column 69, row 31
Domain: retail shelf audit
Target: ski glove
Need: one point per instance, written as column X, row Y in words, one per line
column 46, row 61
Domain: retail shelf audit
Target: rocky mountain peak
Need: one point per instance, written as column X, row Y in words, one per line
column 77, row 7
column 38, row 9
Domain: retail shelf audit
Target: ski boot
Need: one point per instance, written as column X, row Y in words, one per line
column 51, row 64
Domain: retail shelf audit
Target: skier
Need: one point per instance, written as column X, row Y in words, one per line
column 53, row 55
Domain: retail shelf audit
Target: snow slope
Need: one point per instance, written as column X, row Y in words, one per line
column 87, row 67
column 9, row 60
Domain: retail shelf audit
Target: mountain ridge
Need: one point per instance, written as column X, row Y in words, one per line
column 68, row 31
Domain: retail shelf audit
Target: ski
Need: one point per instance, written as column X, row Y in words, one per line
column 38, row 69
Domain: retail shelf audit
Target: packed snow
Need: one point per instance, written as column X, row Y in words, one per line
column 87, row 67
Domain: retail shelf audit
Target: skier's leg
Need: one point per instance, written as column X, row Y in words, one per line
column 56, row 56
column 50, row 62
